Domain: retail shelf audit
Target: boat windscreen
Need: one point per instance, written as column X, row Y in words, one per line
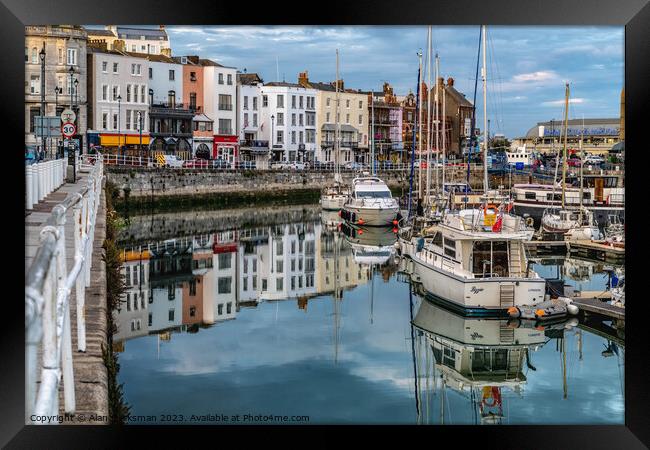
column 373, row 194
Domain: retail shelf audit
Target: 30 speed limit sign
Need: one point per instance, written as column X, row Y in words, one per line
column 68, row 130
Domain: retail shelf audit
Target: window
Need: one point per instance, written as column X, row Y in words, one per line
column 245, row 119
column 347, row 118
column 34, row 57
column 72, row 56
column 128, row 92
column 300, row 282
column 531, row 196
column 293, row 137
column 133, row 48
column 279, row 265
column 254, row 103
column 225, row 260
column 142, row 300
column 133, row 325
column 245, row 285
column 142, row 87
column 128, row 119
column 229, row 79
column 225, row 102
column 347, row 103
column 171, row 315
column 115, row 93
column 327, row 117
column 35, row 84
column 280, row 137
column 26, row 54
column 311, row 136
column 225, row 126
column 293, row 101
column 224, row 285
column 171, row 75
column 171, row 291
column 229, row 304
column 264, row 284
column 254, row 119
column 135, row 302
column 280, row 118
column 360, row 104
column 265, row 100
column 133, row 69
column 254, row 283
column 254, row 265
column 150, row 319
column 328, row 101
column 279, row 284
column 115, row 67
column 115, row 121
column 293, row 283
column 136, row 87
column 280, row 101
column 192, row 76
column 128, row 302
column 171, row 98
column 293, row 119
column 220, row 309
column 245, row 101
column 360, row 119
column 300, row 105
column 220, row 78
column 105, row 121
column 300, row 122
column 192, row 100
column 143, row 48
column 150, row 73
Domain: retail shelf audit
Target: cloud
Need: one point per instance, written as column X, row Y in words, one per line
column 535, row 77
column 561, row 102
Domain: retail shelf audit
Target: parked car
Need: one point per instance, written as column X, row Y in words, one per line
column 594, row 160
column 319, row 165
column 574, row 161
column 173, row 161
column 295, row 165
column 278, row 165
column 196, row 164
column 247, row 165
column 220, row 163
column 352, row 165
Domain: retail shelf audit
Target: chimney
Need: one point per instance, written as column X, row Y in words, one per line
column 303, row 79
column 450, row 81
column 119, row 45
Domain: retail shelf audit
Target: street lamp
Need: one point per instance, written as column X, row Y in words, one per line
column 57, row 91
column 119, row 131
column 140, row 126
column 41, row 54
column 272, row 122
column 70, row 86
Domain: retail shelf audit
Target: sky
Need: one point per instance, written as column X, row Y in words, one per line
column 526, row 66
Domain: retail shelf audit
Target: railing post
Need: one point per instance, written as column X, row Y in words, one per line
column 79, row 286
column 29, row 188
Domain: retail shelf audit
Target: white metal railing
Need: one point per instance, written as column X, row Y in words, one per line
column 48, row 284
column 42, row 178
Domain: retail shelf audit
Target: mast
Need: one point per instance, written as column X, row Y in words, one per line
column 337, row 148
column 420, row 133
column 444, row 132
column 485, row 137
column 582, row 161
column 436, row 121
column 372, row 128
column 430, row 49
column 566, row 132
column 413, row 150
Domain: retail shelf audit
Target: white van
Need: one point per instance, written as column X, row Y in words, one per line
column 173, row 161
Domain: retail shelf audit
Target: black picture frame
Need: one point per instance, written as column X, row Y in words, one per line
column 634, row 15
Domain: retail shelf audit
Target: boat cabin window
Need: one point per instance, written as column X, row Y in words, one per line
column 445, row 356
column 373, row 194
column 586, row 195
column 489, row 360
column 556, row 197
column 530, row 196
column 437, row 239
column 450, row 248
column 608, row 182
column 490, row 258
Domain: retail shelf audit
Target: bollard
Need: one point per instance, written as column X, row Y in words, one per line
column 28, row 187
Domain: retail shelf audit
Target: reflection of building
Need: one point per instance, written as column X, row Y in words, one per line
column 132, row 316
column 225, row 274
column 482, row 356
column 353, row 120
column 253, row 246
column 330, row 249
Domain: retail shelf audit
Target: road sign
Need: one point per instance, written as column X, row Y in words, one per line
column 68, row 130
column 47, row 126
column 68, row 116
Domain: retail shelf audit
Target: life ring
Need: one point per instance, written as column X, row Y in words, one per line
column 530, row 221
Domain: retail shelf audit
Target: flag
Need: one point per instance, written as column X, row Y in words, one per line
column 497, row 225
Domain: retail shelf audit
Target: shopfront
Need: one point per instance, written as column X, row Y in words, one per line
column 226, row 148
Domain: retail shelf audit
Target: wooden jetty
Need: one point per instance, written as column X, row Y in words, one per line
column 592, row 250
column 592, row 302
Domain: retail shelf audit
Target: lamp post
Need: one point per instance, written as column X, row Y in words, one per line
column 119, row 118
column 272, row 122
column 57, row 91
column 70, row 86
column 41, row 54
column 140, row 127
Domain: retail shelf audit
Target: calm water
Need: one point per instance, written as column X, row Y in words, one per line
column 254, row 322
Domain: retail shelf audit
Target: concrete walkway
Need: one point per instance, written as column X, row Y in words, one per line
column 90, row 375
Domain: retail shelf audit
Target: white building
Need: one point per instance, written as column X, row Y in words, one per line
column 152, row 41
column 288, row 121
column 225, row 275
column 249, row 107
column 132, row 316
column 219, row 104
column 118, row 98
column 165, row 78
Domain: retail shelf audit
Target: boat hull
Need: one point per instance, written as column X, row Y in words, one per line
column 536, row 211
column 373, row 217
column 333, row 202
column 479, row 296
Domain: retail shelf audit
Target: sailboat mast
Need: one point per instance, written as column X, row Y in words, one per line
column 444, row 132
column 337, row 149
column 420, row 134
column 436, row 121
column 485, row 136
column 582, row 161
column 372, row 129
column 566, row 129
column 429, row 50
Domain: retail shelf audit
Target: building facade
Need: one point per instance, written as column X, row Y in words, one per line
column 288, row 121
column 219, row 101
column 353, row 120
column 64, row 48
column 118, row 113
column 249, row 110
column 151, row 41
column 387, row 112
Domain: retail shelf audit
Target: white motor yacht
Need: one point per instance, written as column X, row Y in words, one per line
column 370, row 204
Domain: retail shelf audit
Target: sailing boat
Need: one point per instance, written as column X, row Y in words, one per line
column 474, row 259
column 573, row 224
column 333, row 197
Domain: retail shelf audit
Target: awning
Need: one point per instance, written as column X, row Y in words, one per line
column 344, row 127
column 112, row 140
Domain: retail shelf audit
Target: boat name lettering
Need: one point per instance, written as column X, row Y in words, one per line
column 476, row 290
column 475, row 335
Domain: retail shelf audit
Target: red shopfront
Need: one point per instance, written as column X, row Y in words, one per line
column 226, row 148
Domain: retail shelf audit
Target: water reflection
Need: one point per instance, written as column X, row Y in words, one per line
column 314, row 318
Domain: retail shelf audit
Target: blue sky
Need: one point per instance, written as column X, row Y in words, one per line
column 527, row 66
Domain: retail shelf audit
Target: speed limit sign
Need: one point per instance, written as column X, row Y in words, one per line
column 68, row 130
